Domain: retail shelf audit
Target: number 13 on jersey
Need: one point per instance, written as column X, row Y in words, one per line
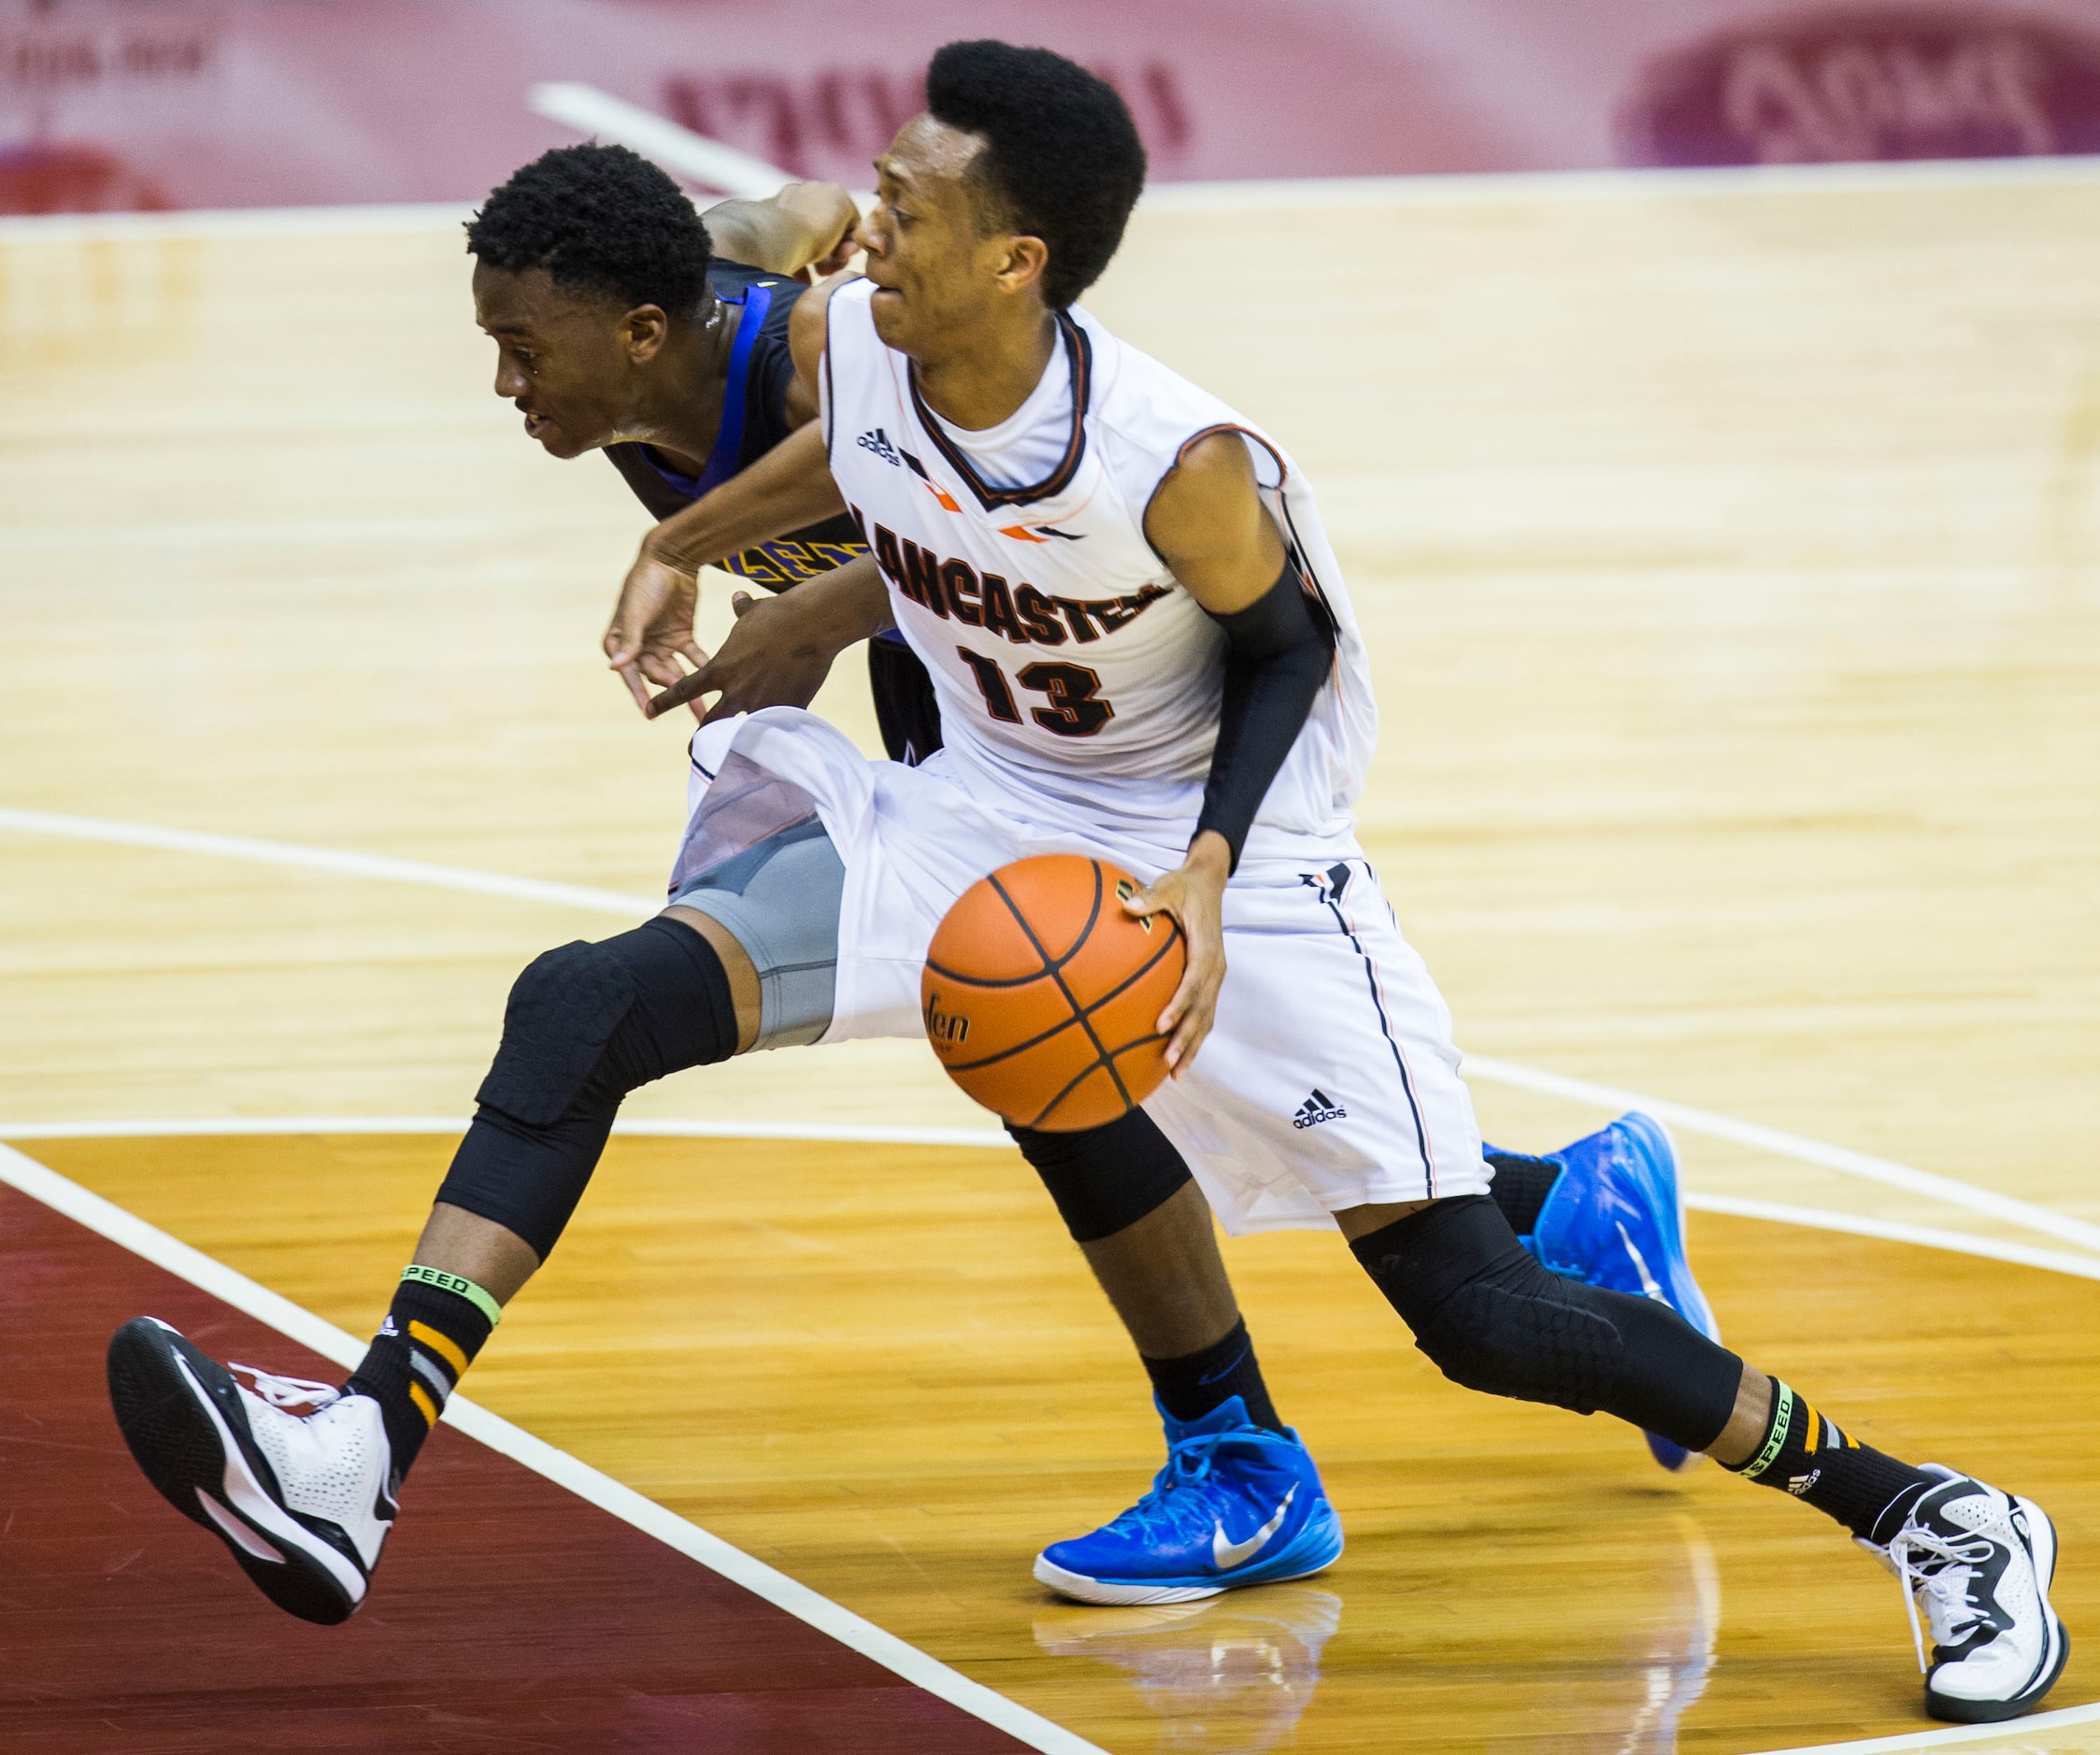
column 1074, row 709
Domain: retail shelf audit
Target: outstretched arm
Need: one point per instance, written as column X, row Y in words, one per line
column 781, row 649
column 1208, row 522
column 789, row 487
column 651, row 626
column 805, row 226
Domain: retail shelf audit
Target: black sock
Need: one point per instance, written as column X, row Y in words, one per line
column 1521, row 1187
column 1190, row 1386
column 436, row 1324
column 1804, row 1454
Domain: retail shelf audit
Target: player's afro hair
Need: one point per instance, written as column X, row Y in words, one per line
column 1061, row 157
column 599, row 218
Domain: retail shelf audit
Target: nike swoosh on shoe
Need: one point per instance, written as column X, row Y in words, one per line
column 1225, row 1555
column 1648, row 1281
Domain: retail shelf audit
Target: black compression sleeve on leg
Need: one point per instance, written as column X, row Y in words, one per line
column 1521, row 1187
column 1490, row 1318
column 586, row 1025
column 1105, row 1177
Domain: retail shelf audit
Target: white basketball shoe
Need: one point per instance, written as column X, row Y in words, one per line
column 1981, row 1561
column 295, row 1477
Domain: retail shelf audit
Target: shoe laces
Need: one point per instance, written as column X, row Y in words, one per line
column 288, row 1393
column 1947, row 1576
column 1176, row 1501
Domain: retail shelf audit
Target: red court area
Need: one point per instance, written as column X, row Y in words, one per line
column 510, row 1614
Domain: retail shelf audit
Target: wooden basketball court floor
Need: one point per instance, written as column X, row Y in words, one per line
column 1731, row 553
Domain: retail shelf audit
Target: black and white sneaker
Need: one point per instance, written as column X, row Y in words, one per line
column 1981, row 1561
column 291, row 1475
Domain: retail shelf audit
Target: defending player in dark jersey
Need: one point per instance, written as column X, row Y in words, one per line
column 677, row 406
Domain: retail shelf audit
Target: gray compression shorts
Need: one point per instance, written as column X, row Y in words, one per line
column 757, row 858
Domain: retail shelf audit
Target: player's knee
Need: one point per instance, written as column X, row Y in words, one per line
column 1487, row 1315
column 1523, row 1337
column 1491, row 1319
column 587, row 1023
column 1104, row 1179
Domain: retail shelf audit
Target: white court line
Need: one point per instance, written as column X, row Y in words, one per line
column 312, row 1126
column 252, row 1126
column 354, row 221
column 1895, row 1231
column 328, row 859
column 2011, row 1729
column 2006, row 1209
column 252, row 533
column 121, row 1227
column 1242, row 195
column 602, row 116
column 109, row 1220
column 1460, row 189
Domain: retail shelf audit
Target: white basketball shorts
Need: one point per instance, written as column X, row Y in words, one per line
column 1329, row 1080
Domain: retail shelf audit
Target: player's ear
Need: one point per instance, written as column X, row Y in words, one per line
column 1024, row 261
column 643, row 332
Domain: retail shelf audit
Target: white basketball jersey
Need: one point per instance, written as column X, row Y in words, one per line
column 1079, row 682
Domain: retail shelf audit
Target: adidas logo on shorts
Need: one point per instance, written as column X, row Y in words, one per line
column 1317, row 1108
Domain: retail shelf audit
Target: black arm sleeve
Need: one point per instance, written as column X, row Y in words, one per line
column 1278, row 653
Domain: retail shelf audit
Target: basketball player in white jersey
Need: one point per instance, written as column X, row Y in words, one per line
column 1144, row 651
column 587, row 259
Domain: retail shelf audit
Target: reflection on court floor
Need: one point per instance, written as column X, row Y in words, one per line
column 1239, row 1673
column 1236, row 1672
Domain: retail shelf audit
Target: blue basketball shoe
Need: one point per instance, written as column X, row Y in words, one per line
column 1615, row 1219
column 1235, row 1505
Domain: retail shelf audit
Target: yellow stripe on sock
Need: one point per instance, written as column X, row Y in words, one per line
column 1815, row 1422
column 424, row 1406
column 442, row 1345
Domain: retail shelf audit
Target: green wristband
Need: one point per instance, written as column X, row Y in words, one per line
column 458, row 1284
column 1783, row 1417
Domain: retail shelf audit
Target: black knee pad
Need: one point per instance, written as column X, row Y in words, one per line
column 1526, row 1339
column 586, row 1024
column 1487, row 1315
column 597, row 1020
column 1491, row 1318
column 1105, row 1178
column 561, row 1013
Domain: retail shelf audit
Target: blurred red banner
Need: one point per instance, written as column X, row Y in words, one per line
column 145, row 104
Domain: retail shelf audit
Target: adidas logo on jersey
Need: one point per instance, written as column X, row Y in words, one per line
column 1317, row 1108
column 878, row 442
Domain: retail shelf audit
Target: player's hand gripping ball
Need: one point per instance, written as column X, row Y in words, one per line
column 1042, row 997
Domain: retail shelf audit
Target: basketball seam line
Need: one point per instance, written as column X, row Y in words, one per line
column 1069, row 1086
column 1056, row 972
column 1051, row 966
column 1021, row 980
column 982, row 980
column 1036, row 1041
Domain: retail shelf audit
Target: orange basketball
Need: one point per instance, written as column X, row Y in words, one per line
column 1042, row 997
